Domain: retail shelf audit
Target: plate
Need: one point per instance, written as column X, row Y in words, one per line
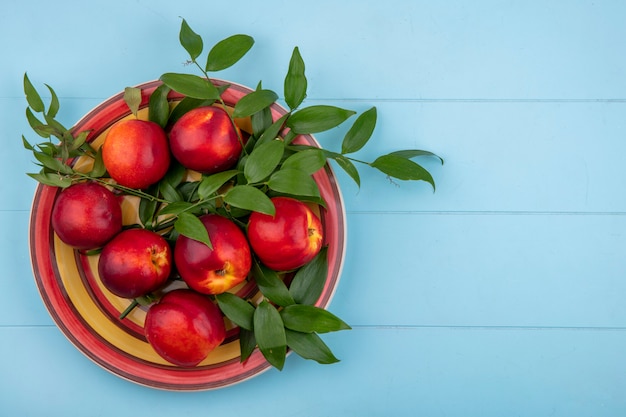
column 87, row 314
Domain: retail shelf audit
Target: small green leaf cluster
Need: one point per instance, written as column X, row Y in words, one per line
column 286, row 317
column 54, row 157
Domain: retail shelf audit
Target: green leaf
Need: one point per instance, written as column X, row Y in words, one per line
column 402, row 168
column 349, row 168
column 159, row 106
column 192, row 227
column 412, row 153
column 360, row 132
column 293, row 181
column 271, row 286
column 310, row 346
column 175, row 174
column 169, row 192
column 318, row 118
column 52, row 179
column 309, row 319
column 260, row 120
column 132, row 97
column 308, row 283
column 176, row 208
column 236, row 309
column 191, row 86
column 190, row 40
column 36, row 124
column 254, row 102
column 98, row 170
column 53, row 164
column 263, row 160
column 248, row 197
column 309, row 160
column 295, row 81
column 32, row 96
column 273, row 131
column 247, row 343
column 214, row 182
column 147, row 207
column 270, row 334
column 228, row 51
column 79, row 140
column 54, row 103
column 26, row 144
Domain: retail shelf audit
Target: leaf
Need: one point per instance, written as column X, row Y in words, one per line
column 248, row 197
column 254, row 102
column 412, row 153
column 247, row 343
column 37, row 125
column 293, row 181
column 273, row 130
column 159, row 106
column 270, row 334
column 308, row 283
column 175, row 174
column 310, row 346
column 99, row 169
column 169, row 193
column 295, row 81
column 192, row 227
column 402, row 168
column 190, row 40
column 271, row 286
column 236, row 309
column 147, row 207
column 191, row 86
column 309, row 160
column 52, row 179
column 360, row 132
column 349, row 168
column 318, row 118
column 53, row 164
column 32, row 96
column 79, row 140
column 263, row 160
column 27, row 145
column 176, row 208
column 260, row 120
column 214, row 182
column 228, row 51
column 54, row 103
column 309, row 319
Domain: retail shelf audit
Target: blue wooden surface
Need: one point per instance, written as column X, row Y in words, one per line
column 501, row 294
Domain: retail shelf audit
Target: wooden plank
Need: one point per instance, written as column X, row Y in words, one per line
column 484, row 270
column 435, row 372
column 516, row 156
column 439, row 270
column 392, row 49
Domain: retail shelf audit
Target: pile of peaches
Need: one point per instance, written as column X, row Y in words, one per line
column 184, row 325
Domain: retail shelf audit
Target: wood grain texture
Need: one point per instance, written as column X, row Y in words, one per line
column 499, row 294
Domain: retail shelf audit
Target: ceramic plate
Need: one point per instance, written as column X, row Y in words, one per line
column 87, row 313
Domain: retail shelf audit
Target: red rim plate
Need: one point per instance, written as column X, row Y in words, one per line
column 87, row 314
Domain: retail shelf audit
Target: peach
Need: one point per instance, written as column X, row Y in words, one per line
column 134, row 263
column 205, row 140
column 184, row 327
column 218, row 269
column 289, row 239
column 136, row 153
column 86, row 215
